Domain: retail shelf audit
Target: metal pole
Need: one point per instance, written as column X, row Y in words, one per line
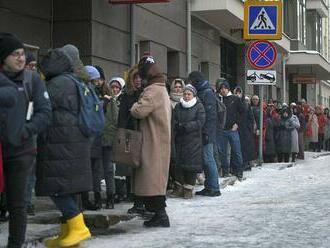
column 188, row 36
column 132, row 35
column 261, row 123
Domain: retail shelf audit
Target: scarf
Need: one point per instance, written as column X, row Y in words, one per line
column 189, row 104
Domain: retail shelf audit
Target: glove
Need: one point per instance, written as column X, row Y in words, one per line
column 205, row 139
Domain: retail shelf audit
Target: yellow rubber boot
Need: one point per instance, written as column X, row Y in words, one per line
column 77, row 232
column 52, row 243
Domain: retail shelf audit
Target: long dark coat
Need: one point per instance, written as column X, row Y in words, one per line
column 245, row 130
column 63, row 160
column 188, row 124
column 270, row 139
column 283, row 135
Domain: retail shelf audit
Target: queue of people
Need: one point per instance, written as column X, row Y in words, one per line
column 183, row 126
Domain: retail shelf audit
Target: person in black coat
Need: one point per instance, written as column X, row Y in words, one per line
column 230, row 134
column 18, row 128
column 245, row 130
column 208, row 98
column 63, row 161
column 189, row 119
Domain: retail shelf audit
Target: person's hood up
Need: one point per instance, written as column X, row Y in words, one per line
column 130, row 89
column 78, row 66
column 56, row 62
column 174, row 82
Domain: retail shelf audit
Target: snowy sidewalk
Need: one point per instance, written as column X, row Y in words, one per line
column 275, row 206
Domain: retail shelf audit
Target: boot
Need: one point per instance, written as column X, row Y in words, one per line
column 77, row 232
column 52, row 243
column 97, row 200
column 110, row 202
column 188, row 191
column 86, row 202
column 160, row 219
column 177, row 190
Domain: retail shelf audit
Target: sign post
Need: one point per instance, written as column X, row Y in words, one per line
column 262, row 21
column 261, row 124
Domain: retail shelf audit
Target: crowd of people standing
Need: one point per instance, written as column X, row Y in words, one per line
column 184, row 124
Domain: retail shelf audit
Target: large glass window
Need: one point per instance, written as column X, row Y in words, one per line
column 301, row 13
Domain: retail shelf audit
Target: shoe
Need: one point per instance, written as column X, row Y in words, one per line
column 30, row 210
column 160, row 219
column 54, row 242
column 97, row 200
column 209, row 192
column 110, row 203
column 177, row 191
column 188, row 191
column 77, row 232
column 241, row 178
column 86, row 203
column 136, row 210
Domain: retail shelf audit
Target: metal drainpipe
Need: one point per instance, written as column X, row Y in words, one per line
column 51, row 43
column 188, row 36
column 284, row 60
column 132, row 35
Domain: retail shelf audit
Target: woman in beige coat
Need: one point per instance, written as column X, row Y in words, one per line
column 154, row 112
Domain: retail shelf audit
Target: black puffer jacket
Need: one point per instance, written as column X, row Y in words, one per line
column 17, row 134
column 188, row 125
column 63, row 151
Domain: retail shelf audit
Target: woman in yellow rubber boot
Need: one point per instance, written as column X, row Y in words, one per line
column 63, row 160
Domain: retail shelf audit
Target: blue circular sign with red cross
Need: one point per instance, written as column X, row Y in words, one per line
column 262, row 54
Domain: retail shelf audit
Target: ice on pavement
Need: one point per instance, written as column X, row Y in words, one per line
column 271, row 208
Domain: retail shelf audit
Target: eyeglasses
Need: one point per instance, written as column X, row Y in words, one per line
column 17, row 55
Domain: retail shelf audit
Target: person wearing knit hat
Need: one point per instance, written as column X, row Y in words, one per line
column 29, row 117
column 93, row 73
column 101, row 71
column 8, row 44
column 188, row 121
column 230, row 135
column 145, row 64
column 190, row 88
column 206, row 95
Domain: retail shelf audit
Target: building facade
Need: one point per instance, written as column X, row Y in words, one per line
column 183, row 35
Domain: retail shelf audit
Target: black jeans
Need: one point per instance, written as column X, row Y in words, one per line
column 17, row 171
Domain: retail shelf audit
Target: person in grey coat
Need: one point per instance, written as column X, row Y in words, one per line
column 283, row 135
column 295, row 124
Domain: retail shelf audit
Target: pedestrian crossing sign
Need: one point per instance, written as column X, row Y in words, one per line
column 262, row 20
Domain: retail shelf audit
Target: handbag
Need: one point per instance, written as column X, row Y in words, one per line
column 127, row 147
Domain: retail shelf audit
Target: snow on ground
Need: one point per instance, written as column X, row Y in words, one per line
column 275, row 208
column 272, row 208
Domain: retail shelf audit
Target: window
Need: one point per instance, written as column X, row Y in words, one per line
column 301, row 13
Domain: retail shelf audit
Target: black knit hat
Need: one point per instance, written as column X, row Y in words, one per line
column 196, row 77
column 8, row 44
column 145, row 64
column 101, row 71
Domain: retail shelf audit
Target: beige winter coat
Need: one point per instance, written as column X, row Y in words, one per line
column 154, row 111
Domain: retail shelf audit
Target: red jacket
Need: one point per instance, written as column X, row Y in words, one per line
column 322, row 122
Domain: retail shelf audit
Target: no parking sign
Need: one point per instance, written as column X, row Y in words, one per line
column 261, row 54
